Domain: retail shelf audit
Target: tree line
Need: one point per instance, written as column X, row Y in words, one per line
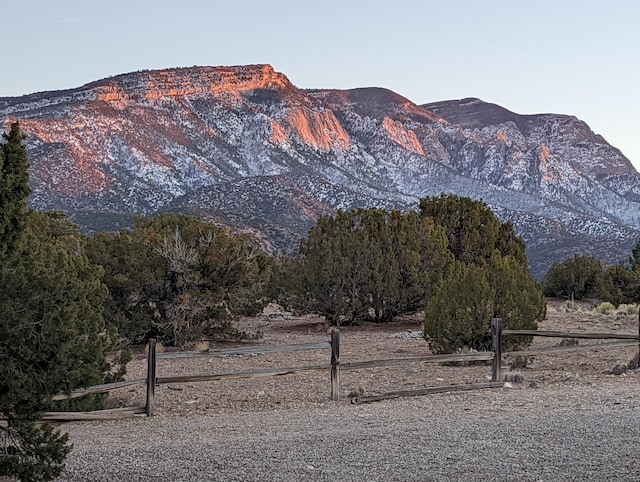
column 583, row 277
column 452, row 259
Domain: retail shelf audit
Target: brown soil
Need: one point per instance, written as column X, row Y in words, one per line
column 369, row 342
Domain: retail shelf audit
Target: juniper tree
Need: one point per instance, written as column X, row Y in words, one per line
column 367, row 264
column 491, row 265
column 473, row 231
column 52, row 336
column 179, row 279
column 459, row 314
column 14, row 187
column 577, row 278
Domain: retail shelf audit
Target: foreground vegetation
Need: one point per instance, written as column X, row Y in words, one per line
column 52, row 334
column 453, row 259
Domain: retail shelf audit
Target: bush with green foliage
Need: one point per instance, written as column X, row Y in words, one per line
column 491, row 279
column 372, row 265
column 365, row 265
column 14, row 188
column 459, row 314
column 52, row 336
column 179, row 279
column 576, row 278
column 621, row 284
column 474, row 233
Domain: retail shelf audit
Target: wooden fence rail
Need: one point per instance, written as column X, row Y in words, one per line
column 559, row 334
column 110, row 414
column 498, row 333
column 572, row 348
column 107, row 387
column 426, row 391
column 249, row 350
column 457, row 357
column 209, row 377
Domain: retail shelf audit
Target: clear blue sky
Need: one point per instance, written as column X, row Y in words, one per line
column 578, row 57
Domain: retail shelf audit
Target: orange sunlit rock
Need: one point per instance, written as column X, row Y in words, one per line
column 175, row 83
column 113, row 95
column 278, row 134
column 404, row 137
column 81, row 174
column 320, row 130
column 545, row 154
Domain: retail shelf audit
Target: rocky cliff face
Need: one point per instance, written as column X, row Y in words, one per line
column 244, row 147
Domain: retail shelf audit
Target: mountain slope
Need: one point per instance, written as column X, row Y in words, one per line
column 243, row 146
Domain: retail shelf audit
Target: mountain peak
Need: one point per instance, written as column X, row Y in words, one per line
column 471, row 112
column 179, row 82
column 373, row 100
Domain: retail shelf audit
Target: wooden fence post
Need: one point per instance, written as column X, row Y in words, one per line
column 496, row 338
column 151, row 377
column 335, row 364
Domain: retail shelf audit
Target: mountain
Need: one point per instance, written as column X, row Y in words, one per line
column 242, row 146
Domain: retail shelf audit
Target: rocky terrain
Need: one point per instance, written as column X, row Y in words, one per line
column 244, row 147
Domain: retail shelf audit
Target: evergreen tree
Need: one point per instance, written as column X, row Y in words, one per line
column 134, row 275
column 420, row 248
column 519, row 300
column 52, row 339
column 367, row 265
column 459, row 315
column 488, row 252
column 14, row 188
column 621, row 285
column 52, row 336
column 473, row 231
column 634, row 261
column 321, row 269
column 179, row 279
column 375, row 275
column 576, row 278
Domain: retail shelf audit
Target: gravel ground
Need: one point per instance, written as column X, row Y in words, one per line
column 568, row 420
column 499, row 434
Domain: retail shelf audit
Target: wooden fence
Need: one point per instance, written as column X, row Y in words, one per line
column 498, row 333
column 152, row 379
column 334, row 366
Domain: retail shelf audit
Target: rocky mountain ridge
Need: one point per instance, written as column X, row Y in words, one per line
column 243, row 146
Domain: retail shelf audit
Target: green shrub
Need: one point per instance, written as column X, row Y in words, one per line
column 365, row 265
column 459, row 314
column 180, row 279
column 631, row 309
column 576, row 278
column 605, row 308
